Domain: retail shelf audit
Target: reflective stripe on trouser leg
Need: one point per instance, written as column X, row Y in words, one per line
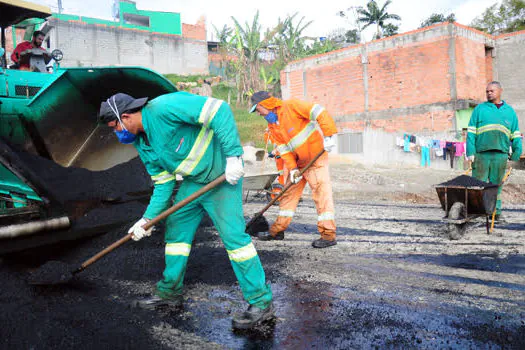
column 180, row 230
column 224, row 206
column 318, row 177
column 287, row 205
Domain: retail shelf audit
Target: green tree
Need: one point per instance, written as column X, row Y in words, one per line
column 289, row 37
column 352, row 36
column 373, row 14
column 507, row 17
column 438, row 18
column 390, row 29
column 223, row 35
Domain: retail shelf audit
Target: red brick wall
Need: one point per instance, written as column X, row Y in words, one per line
column 409, row 76
column 296, row 84
column 471, row 73
column 440, row 121
column 194, row 31
column 489, row 71
column 339, row 87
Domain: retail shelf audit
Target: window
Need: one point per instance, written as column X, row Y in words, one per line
column 138, row 20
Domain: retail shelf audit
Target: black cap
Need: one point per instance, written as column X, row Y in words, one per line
column 258, row 97
column 119, row 103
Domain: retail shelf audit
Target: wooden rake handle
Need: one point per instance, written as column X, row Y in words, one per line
column 494, row 212
column 153, row 221
column 290, row 184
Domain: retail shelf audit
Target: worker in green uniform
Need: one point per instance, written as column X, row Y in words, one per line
column 492, row 131
column 196, row 137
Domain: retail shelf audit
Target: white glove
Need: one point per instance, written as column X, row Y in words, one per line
column 294, row 176
column 471, row 158
column 329, row 143
column 234, row 169
column 137, row 232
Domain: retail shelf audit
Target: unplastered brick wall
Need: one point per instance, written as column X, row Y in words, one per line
column 438, row 121
column 412, row 81
column 195, row 31
column 339, row 86
column 409, row 75
column 471, row 69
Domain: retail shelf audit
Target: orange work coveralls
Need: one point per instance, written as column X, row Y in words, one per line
column 299, row 141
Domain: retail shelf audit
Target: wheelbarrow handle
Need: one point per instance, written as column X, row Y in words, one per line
column 290, row 184
column 153, row 221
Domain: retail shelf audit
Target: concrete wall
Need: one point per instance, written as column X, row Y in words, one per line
column 509, row 69
column 410, row 83
column 100, row 45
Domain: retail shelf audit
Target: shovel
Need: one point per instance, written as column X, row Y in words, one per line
column 56, row 272
column 259, row 223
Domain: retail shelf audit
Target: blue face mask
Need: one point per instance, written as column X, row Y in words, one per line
column 125, row 136
column 271, row 118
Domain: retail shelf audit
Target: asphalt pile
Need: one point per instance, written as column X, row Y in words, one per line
column 467, row 181
column 120, row 183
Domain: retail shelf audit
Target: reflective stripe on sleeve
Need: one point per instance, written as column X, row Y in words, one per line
column 326, row 216
column 197, row 152
column 208, row 111
column 301, row 137
column 242, row 254
column 174, row 249
column 283, row 149
column 472, row 129
column 316, row 111
column 286, row 213
column 162, row 178
column 516, row 135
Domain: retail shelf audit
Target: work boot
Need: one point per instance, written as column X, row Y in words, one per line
column 266, row 236
column 155, row 302
column 252, row 317
column 500, row 219
column 323, row 243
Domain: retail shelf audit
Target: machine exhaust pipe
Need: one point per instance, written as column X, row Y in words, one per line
column 29, row 228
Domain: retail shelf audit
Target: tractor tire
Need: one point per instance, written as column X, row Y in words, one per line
column 456, row 212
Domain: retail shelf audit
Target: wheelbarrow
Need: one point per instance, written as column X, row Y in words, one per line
column 263, row 185
column 464, row 199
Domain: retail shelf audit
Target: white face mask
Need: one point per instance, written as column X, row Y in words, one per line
column 114, row 108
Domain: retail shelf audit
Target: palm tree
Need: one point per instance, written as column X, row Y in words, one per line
column 375, row 15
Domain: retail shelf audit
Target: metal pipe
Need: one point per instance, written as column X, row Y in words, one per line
column 29, row 228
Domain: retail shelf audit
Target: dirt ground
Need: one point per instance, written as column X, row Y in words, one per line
column 394, row 280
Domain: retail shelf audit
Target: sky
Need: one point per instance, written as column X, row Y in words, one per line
column 324, row 15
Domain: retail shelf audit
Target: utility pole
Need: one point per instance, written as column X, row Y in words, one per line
column 60, row 6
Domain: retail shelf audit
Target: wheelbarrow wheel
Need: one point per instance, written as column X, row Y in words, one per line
column 456, row 212
column 274, row 191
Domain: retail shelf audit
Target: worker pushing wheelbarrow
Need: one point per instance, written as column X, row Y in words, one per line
column 464, row 199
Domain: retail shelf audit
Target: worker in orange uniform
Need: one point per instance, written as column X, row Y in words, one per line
column 292, row 124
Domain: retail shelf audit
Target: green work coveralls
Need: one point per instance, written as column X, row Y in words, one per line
column 192, row 135
column 492, row 132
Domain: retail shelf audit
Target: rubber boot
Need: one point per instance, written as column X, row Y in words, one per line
column 253, row 317
column 323, row 243
column 266, row 236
